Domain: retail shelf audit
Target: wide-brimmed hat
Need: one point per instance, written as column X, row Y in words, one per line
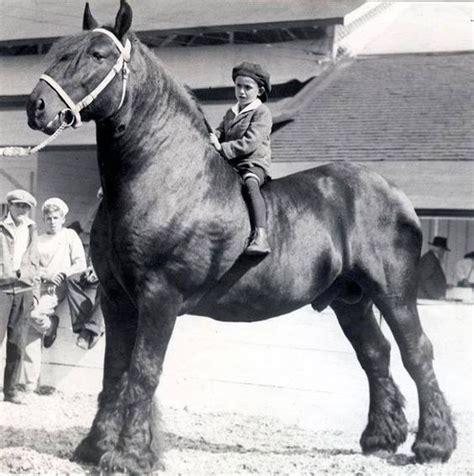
column 57, row 202
column 440, row 242
column 21, row 196
column 256, row 72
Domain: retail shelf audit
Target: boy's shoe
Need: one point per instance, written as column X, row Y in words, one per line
column 87, row 339
column 50, row 337
column 258, row 243
column 14, row 398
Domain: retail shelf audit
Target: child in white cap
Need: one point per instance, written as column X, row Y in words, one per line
column 243, row 138
column 61, row 254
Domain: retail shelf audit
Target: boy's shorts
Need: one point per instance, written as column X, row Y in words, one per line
column 253, row 172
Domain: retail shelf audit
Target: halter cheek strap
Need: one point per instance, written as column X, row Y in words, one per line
column 121, row 64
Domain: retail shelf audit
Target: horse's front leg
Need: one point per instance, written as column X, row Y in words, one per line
column 138, row 448
column 121, row 325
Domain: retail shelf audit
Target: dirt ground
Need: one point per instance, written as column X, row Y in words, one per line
column 40, row 437
column 281, row 397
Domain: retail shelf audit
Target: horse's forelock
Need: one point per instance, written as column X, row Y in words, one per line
column 73, row 43
column 69, row 44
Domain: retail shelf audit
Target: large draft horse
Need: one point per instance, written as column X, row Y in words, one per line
column 169, row 236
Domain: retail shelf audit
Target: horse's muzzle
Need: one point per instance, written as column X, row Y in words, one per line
column 43, row 108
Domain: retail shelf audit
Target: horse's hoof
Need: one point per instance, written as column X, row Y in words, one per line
column 86, row 452
column 382, row 454
column 116, row 462
column 431, row 453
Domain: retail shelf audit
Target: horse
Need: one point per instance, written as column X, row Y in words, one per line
column 169, row 236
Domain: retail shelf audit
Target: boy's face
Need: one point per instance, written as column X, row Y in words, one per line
column 246, row 90
column 19, row 211
column 54, row 222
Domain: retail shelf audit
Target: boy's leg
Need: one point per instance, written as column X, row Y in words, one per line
column 95, row 321
column 253, row 179
column 32, row 359
column 18, row 308
column 80, row 300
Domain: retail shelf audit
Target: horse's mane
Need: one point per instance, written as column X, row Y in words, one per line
column 182, row 94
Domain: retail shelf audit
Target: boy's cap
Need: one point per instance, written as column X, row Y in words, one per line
column 256, row 72
column 57, row 202
column 21, row 196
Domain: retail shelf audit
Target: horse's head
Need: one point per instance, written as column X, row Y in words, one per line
column 87, row 77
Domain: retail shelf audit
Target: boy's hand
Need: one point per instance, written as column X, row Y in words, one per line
column 59, row 278
column 215, row 141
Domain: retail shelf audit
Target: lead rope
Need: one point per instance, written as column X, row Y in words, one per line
column 14, row 151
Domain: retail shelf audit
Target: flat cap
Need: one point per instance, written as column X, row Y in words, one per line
column 21, row 196
column 56, row 202
column 256, row 72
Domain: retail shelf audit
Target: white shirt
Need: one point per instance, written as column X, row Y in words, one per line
column 61, row 253
column 21, row 235
column 465, row 270
column 249, row 107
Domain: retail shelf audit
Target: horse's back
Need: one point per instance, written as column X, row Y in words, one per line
column 351, row 210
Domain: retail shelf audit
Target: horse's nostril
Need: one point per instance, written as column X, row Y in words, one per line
column 40, row 104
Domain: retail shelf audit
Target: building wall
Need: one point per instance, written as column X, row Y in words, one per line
column 71, row 175
column 16, row 172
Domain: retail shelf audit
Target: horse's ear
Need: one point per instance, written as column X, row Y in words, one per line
column 123, row 21
column 88, row 21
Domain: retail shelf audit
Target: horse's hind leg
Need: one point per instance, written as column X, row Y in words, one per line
column 387, row 426
column 436, row 436
column 120, row 320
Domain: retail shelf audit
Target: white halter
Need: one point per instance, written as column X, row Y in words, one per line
column 121, row 64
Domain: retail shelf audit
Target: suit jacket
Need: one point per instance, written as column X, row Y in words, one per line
column 245, row 136
column 432, row 281
column 27, row 277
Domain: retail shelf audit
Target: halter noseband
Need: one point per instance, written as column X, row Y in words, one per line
column 73, row 110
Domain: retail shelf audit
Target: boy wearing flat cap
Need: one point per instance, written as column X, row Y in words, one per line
column 243, row 138
column 19, row 284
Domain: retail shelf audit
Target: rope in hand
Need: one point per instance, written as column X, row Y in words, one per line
column 15, row 151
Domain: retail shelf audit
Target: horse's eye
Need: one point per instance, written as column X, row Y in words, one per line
column 97, row 55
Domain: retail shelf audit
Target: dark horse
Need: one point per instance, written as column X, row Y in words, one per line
column 169, row 236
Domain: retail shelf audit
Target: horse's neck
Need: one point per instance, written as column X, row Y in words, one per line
column 164, row 136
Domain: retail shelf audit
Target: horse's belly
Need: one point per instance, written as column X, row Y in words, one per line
column 259, row 297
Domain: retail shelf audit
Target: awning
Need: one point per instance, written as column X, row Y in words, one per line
column 27, row 19
column 200, row 67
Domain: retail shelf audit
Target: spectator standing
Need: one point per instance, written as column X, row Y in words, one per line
column 19, row 284
column 84, row 292
column 465, row 271
column 432, row 280
column 61, row 254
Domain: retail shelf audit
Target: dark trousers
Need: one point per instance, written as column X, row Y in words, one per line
column 15, row 311
column 84, row 305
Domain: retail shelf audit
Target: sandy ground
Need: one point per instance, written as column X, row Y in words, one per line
column 283, row 397
column 40, row 438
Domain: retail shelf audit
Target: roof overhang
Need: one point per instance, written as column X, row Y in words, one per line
column 24, row 21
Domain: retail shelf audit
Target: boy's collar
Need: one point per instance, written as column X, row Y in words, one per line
column 253, row 105
column 9, row 220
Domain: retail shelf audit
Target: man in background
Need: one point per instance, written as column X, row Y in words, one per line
column 432, row 280
column 19, row 284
